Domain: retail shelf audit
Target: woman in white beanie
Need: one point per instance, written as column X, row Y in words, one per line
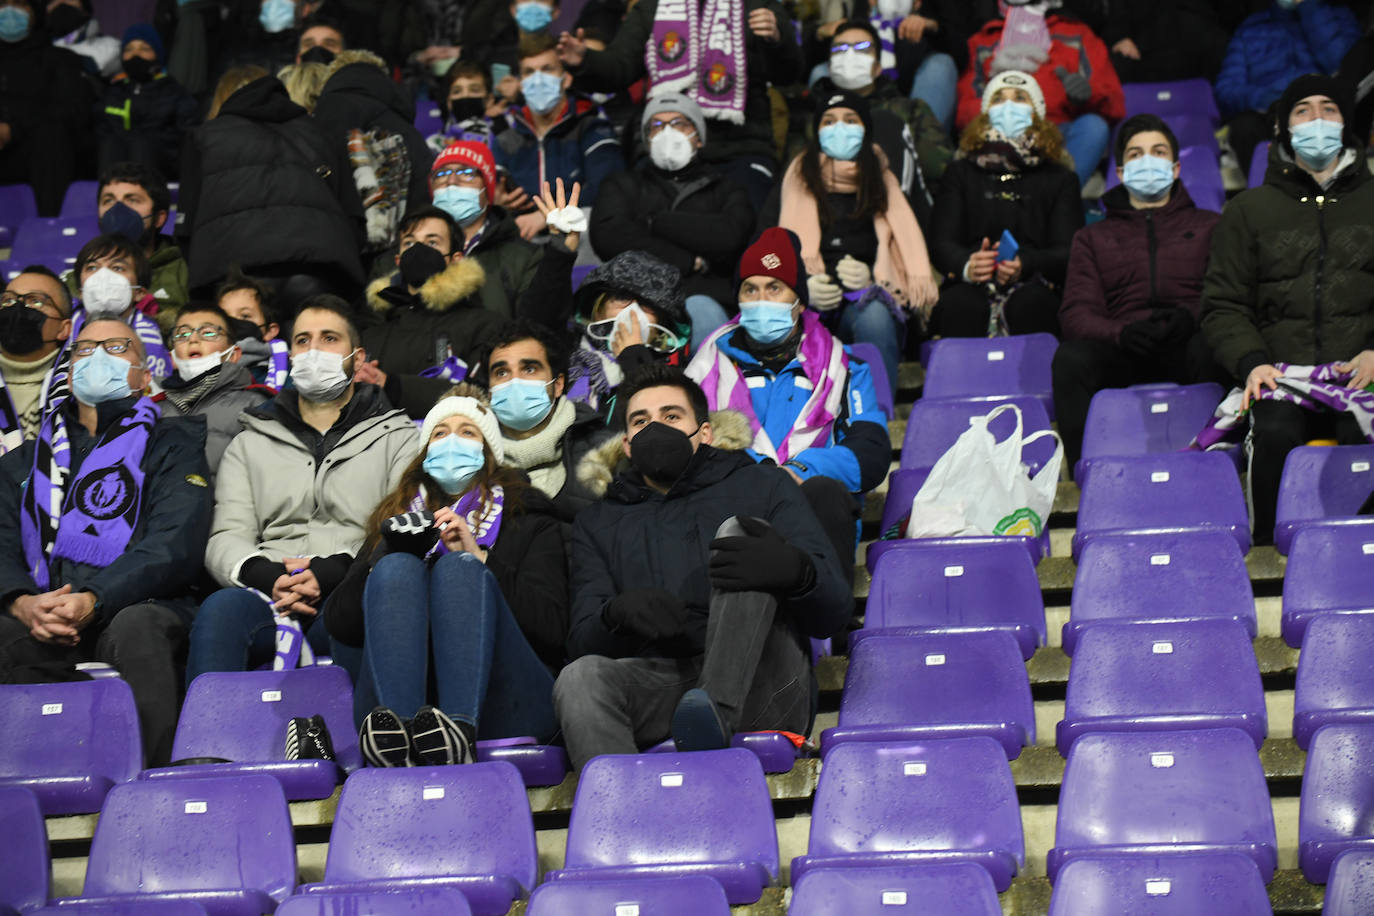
column 1010, row 175
column 459, row 599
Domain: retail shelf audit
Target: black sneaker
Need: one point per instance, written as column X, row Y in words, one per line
column 384, row 740
column 697, row 725
column 308, row 739
column 438, row 740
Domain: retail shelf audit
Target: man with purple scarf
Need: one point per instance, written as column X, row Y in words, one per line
column 106, row 519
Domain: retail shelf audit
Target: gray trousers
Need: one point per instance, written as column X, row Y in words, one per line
column 753, row 668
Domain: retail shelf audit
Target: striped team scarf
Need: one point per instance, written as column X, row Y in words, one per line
column 1314, row 388
column 483, row 517
column 824, row 363
column 698, row 49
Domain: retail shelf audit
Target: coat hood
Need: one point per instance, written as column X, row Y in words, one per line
column 729, row 429
column 264, row 99
column 363, row 75
column 441, row 292
column 640, row 275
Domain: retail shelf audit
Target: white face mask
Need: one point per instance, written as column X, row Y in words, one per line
column 320, row 376
column 851, row 69
column 193, row 367
column 106, row 293
column 670, row 150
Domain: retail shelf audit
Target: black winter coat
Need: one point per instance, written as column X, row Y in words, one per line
column 42, row 83
column 265, row 186
column 160, row 109
column 637, row 537
column 676, row 217
column 167, row 550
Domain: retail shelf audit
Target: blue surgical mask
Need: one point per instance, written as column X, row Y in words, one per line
column 841, row 141
column 766, row 322
column 463, row 204
column 521, row 404
column 1317, row 142
column 453, row 461
column 1148, row 178
column 100, row 377
column 14, row 24
column 542, row 91
column 277, row 15
column 1011, row 119
column 533, row 16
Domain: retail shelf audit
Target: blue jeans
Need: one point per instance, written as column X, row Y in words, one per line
column 235, row 630
column 1085, row 137
column 453, row 618
column 707, row 314
column 936, row 81
column 872, row 322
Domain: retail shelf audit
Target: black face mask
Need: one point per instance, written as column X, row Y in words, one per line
column 419, row 262
column 467, row 109
column 661, row 453
column 318, row 55
column 66, row 19
column 122, row 219
column 21, row 329
column 140, row 69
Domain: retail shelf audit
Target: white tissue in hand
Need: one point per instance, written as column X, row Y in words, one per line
column 568, row 219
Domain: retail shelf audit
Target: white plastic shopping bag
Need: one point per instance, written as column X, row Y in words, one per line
column 981, row 487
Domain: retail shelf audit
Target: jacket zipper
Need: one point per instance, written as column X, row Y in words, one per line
column 1317, row 284
column 1153, row 250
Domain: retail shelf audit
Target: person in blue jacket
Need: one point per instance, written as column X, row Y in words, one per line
column 1268, row 51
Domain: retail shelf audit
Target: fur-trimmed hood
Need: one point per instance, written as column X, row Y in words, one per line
column 356, row 56
column 729, row 430
column 441, row 292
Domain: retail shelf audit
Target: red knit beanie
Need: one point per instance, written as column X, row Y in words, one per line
column 468, row 153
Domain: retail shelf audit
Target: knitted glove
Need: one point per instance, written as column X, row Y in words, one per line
column 410, row 532
column 824, row 293
column 1026, row 58
column 1076, row 86
column 759, row 561
column 853, row 273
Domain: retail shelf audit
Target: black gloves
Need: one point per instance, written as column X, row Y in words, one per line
column 760, row 562
column 648, row 612
column 1165, row 328
column 1178, row 325
column 1076, row 86
column 410, row 532
column 1141, row 338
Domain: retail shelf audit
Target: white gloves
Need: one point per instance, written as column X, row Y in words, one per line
column 824, row 293
column 853, row 273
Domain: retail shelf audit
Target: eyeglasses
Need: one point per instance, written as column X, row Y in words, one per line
column 466, row 175
column 661, row 340
column 38, row 301
column 680, row 124
column 863, row 47
column 183, row 333
column 114, row 346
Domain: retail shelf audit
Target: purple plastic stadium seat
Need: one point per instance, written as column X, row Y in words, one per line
column 539, row 764
column 139, row 906
column 936, row 685
column 1335, row 676
column 428, row 118
column 80, row 201
column 1173, row 491
column 1337, row 808
column 54, row 241
column 1144, row 421
column 991, row 584
column 704, row 813
column 1350, row 887
column 1200, row 172
column 936, row 423
column 1163, row 792
column 1152, row 677
column 24, row 868
column 1209, row 884
column 579, row 273
column 962, row 889
column 466, row 827
column 70, row 742
column 225, row 843
column 1322, row 485
column 241, row 716
column 1183, row 575
column 428, row 901
column 684, row 895
column 1330, row 570
column 776, row 752
column 16, row 205
column 931, row 802
column 992, row 369
column 882, row 385
column 1259, row 164
column 1187, row 97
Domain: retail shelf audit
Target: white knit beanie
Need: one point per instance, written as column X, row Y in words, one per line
column 1015, row 79
column 471, row 409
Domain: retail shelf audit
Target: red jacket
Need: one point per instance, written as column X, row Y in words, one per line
column 1073, row 46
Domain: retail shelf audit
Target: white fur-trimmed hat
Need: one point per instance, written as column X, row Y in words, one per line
column 471, row 409
column 1015, row 79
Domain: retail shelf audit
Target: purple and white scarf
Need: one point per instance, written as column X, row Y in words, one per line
column 278, row 364
column 92, row 519
column 452, row 369
column 1311, row 387
column 11, row 430
column 824, row 363
column 483, row 517
column 700, row 52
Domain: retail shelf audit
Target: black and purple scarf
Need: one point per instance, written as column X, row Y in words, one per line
column 483, row 518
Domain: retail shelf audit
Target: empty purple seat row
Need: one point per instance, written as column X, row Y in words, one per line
column 1322, row 485
column 1144, row 420
column 962, row 889
column 1180, row 884
column 1330, row 570
column 1178, row 97
column 992, row 369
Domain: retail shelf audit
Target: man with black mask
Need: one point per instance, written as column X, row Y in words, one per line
column 696, row 582
column 144, row 111
column 35, row 322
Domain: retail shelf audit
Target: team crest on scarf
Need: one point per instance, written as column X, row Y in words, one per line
column 718, row 80
column 699, row 49
column 108, row 493
column 672, row 47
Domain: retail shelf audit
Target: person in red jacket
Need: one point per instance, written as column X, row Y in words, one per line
column 1134, row 284
column 1083, row 96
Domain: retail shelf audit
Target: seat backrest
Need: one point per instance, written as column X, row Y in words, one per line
column 80, row 201
column 1259, row 164
column 1351, row 885
column 1337, row 788
column 1322, row 482
column 242, row 715
column 17, row 204
column 216, row 833
column 1335, row 676
column 993, row 368
column 933, row 795
column 882, row 385
column 962, row 888
column 683, row 895
column 936, row 424
column 1209, row 884
column 24, row 868
column 1192, row 96
column 425, row 821
column 54, row 241
column 1142, row 421
column 710, row 806
column 1331, row 568
column 41, row 721
column 425, row 901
